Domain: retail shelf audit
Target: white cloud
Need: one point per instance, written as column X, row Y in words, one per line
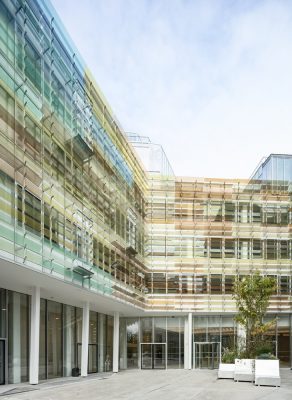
column 210, row 80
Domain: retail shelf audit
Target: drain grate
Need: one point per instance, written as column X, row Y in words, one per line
column 18, row 390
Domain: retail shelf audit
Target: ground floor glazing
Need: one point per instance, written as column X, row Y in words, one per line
column 156, row 342
column 60, row 339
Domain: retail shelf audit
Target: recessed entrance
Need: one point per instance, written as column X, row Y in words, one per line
column 2, row 362
column 153, row 355
column 207, row 354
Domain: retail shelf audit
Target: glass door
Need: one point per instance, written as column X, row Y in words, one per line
column 146, row 356
column 207, row 355
column 2, row 362
column 153, row 356
column 78, row 361
column 92, row 358
column 159, row 356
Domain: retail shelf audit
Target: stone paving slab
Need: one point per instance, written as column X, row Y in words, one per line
column 157, row 385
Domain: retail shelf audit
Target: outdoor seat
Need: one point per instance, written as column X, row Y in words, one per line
column 244, row 370
column 226, row 371
column 267, row 373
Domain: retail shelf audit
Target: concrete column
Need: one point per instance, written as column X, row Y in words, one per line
column 34, row 336
column 186, row 344
column 190, row 340
column 116, row 342
column 85, row 337
column 68, row 362
column 101, row 324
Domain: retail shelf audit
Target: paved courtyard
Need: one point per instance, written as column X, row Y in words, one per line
column 151, row 385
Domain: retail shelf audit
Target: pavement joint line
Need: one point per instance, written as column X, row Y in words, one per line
column 52, row 386
column 153, row 390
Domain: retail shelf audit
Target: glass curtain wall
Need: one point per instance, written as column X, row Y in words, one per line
column 69, row 179
column 109, row 343
column 102, row 366
column 132, row 343
column 166, row 332
column 18, row 334
column 175, row 342
column 78, row 344
column 61, row 340
column 214, row 329
column 93, row 343
column 3, row 313
column 284, row 340
column 54, row 339
column 228, row 332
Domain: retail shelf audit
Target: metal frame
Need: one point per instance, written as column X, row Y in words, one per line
column 152, row 344
column 206, row 343
column 5, row 360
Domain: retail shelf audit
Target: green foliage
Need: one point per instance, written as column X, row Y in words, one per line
column 229, row 356
column 252, row 294
column 264, row 348
column 266, row 356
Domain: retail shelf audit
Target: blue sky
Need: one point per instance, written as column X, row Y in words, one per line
column 210, row 80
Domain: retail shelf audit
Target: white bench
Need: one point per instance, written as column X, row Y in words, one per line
column 244, row 370
column 226, row 371
column 267, row 372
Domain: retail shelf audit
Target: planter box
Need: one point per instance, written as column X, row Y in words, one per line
column 267, row 372
column 226, row 371
column 244, row 370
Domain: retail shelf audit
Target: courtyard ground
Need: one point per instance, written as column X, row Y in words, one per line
column 150, row 385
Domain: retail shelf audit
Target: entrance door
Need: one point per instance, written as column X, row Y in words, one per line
column 207, row 355
column 159, row 356
column 92, row 357
column 146, row 356
column 153, row 356
column 2, row 362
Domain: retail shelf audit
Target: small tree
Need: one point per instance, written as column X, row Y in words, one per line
column 252, row 294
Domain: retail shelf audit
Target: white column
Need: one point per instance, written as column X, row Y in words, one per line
column 34, row 337
column 186, row 344
column 190, row 339
column 116, row 342
column 85, row 335
column 68, row 361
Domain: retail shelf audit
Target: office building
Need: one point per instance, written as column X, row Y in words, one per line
column 108, row 260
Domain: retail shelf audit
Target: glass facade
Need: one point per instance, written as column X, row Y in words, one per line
column 18, row 337
column 60, row 338
column 275, row 173
column 78, row 210
column 71, row 188
column 203, row 233
column 161, row 339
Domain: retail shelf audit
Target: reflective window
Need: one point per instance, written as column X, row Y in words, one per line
column 54, row 340
column 3, row 313
column 229, row 281
column 216, row 284
column 18, row 334
column 132, row 343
